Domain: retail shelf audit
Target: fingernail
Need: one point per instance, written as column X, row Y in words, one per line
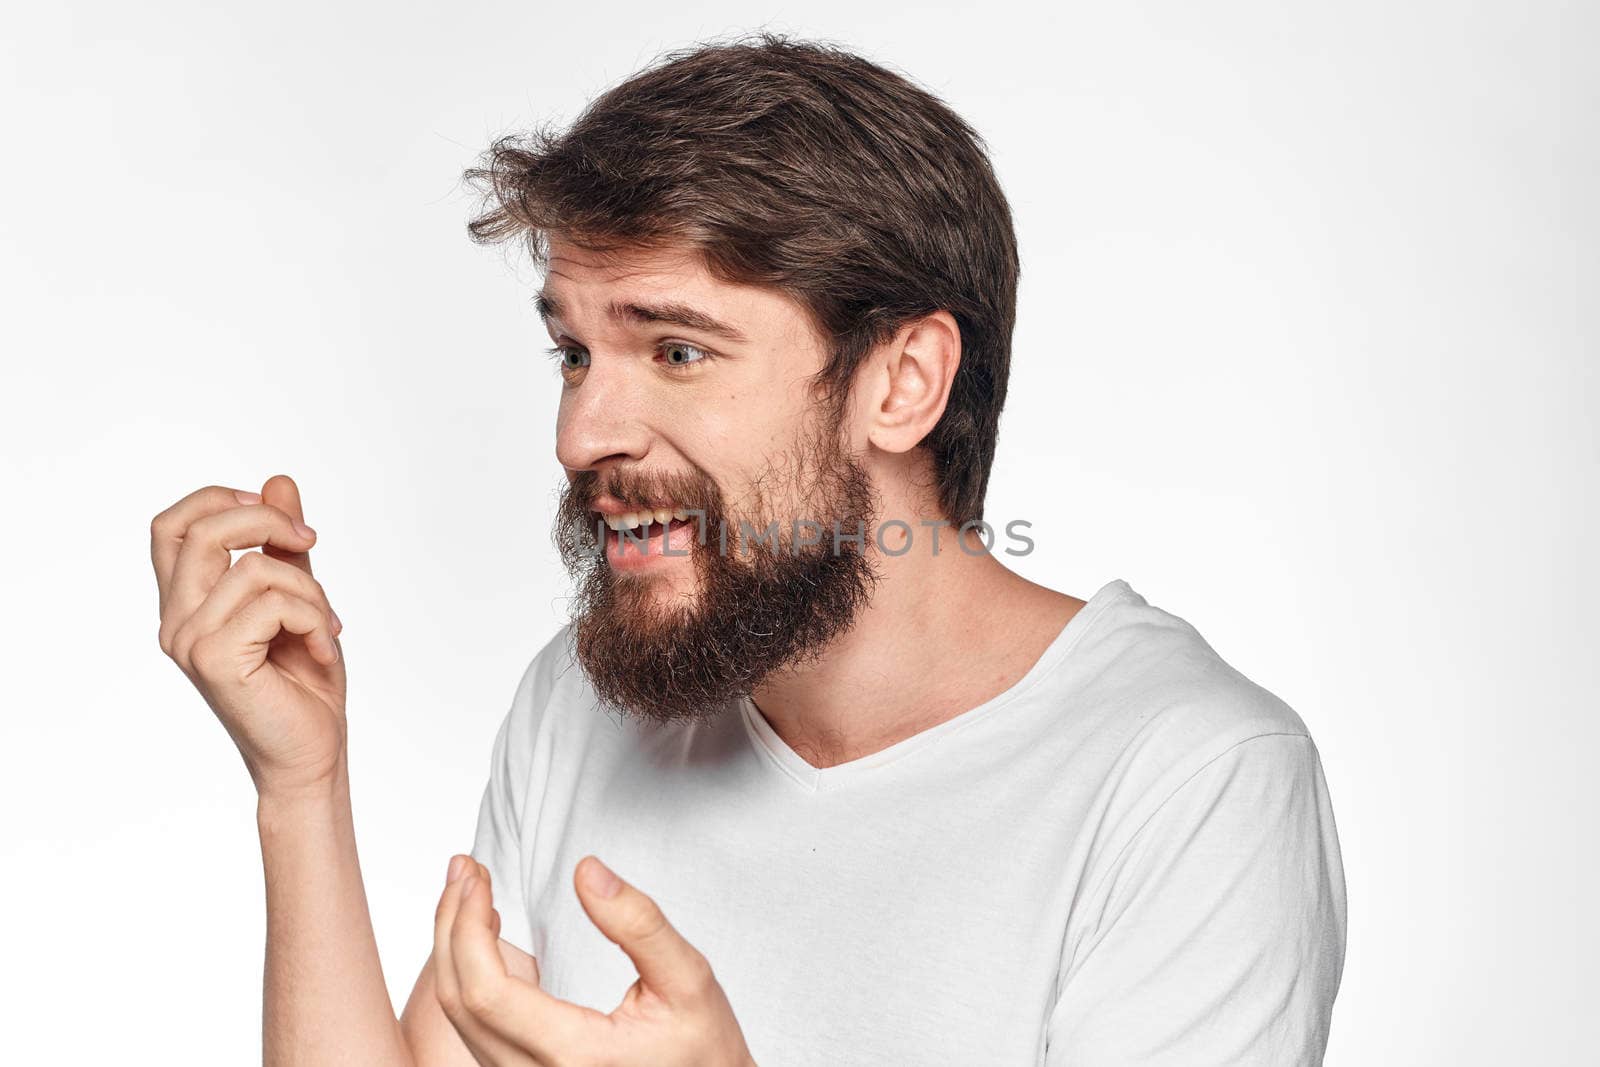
column 303, row 530
column 467, row 885
column 457, row 863
column 601, row 879
column 337, row 625
column 247, row 498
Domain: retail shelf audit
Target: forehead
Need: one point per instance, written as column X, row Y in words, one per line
column 640, row 286
column 636, row 265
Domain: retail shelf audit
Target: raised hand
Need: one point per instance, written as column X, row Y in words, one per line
column 256, row 638
column 675, row 1015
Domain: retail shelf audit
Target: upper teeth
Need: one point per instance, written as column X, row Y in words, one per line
column 632, row 520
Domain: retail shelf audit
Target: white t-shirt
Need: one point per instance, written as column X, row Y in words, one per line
column 1128, row 857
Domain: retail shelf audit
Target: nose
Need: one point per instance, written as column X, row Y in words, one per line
column 601, row 418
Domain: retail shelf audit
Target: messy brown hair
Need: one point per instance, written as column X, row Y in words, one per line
column 801, row 167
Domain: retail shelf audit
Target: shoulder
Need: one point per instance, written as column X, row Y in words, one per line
column 1172, row 705
column 551, row 680
column 1191, row 758
column 1171, row 685
column 553, row 667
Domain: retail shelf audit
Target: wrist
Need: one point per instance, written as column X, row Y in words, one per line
column 311, row 796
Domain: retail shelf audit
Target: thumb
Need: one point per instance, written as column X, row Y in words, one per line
column 281, row 492
column 672, row 968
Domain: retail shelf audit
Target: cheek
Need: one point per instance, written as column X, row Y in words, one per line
column 757, row 422
column 730, row 444
column 721, row 431
column 720, row 449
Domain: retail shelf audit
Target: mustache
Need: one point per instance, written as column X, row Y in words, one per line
column 694, row 488
column 577, row 531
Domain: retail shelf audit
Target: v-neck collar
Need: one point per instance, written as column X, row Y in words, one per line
column 821, row 779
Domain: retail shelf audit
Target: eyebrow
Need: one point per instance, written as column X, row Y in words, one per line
column 670, row 312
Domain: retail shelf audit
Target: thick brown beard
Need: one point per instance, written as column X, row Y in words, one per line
column 758, row 609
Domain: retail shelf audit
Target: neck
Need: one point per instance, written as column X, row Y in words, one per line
column 943, row 634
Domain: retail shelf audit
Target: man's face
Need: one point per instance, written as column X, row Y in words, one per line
column 688, row 420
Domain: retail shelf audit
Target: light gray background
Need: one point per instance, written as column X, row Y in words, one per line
column 1305, row 353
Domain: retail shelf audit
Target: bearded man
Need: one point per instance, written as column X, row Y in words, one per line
column 841, row 786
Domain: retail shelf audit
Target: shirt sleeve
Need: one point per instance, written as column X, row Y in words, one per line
column 500, row 842
column 496, row 844
column 1217, row 933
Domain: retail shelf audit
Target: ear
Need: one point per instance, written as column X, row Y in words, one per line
column 910, row 379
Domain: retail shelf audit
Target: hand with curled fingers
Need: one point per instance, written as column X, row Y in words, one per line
column 256, row 636
column 675, row 1015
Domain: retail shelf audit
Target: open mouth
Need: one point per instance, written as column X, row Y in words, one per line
column 644, row 531
column 647, row 531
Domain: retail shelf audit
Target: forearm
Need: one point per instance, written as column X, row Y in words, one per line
column 325, row 1000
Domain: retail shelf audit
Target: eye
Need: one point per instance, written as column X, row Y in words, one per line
column 568, row 358
column 677, row 354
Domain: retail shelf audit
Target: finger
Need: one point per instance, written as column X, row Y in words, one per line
column 205, row 555
column 447, row 986
column 444, row 978
column 281, row 492
column 670, row 966
column 168, row 528
column 522, row 1013
column 244, row 637
column 250, row 576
